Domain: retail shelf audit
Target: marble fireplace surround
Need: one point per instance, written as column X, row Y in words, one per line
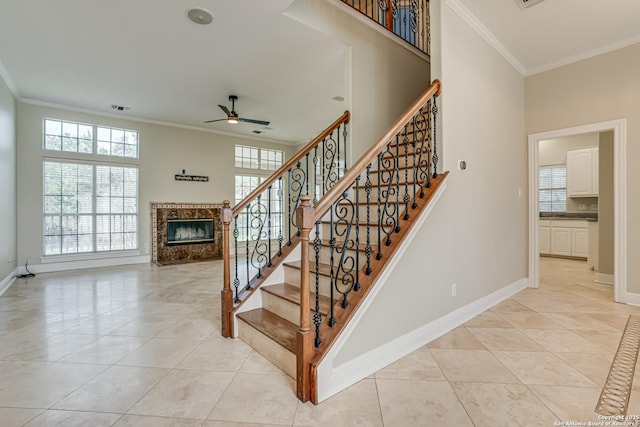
column 163, row 254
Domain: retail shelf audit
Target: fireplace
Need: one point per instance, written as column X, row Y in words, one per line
column 185, row 232
column 189, row 231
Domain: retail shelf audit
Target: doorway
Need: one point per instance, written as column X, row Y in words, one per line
column 619, row 200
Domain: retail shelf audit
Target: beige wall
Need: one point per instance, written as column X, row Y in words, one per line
column 476, row 235
column 8, row 224
column 554, row 152
column 595, row 90
column 164, row 152
column 605, row 208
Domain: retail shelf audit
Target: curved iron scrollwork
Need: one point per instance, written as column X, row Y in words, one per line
column 257, row 236
column 387, row 190
column 344, row 278
column 330, row 159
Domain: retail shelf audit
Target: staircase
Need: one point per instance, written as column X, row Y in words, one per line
column 291, row 299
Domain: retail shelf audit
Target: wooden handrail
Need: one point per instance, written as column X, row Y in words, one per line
column 344, row 118
column 356, row 169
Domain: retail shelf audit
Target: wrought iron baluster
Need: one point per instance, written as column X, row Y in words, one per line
column 289, row 219
column 269, row 264
column 280, row 219
column 414, row 168
column 344, row 279
column 396, row 174
column 337, row 166
column 257, row 222
column 379, row 202
column 317, row 317
column 332, row 247
column 307, row 174
column 434, row 111
column 406, row 198
column 236, row 280
column 367, row 249
column 324, row 148
column 356, row 285
column 344, row 141
column 316, row 187
column 248, row 212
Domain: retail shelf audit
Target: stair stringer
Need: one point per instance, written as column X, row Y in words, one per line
column 332, row 379
column 254, row 300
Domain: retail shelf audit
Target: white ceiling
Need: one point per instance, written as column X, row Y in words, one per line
column 146, row 55
column 556, row 32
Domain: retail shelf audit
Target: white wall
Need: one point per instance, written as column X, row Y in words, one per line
column 476, row 236
column 596, row 90
column 164, row 152
column 383, row 78
column 8, row 228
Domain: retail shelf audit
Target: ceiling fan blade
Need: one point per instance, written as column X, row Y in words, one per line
column 257, row 122
column 225, row 109
column 212, row 121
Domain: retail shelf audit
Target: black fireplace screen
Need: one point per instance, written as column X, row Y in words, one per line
column 189, row 231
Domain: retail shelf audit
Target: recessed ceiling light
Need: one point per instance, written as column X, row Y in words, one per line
column 200, row 15
column 527, row 3
column 338, row 98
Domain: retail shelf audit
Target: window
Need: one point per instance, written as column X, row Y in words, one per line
column 552, row 181
column 254, row 165
column 258, row 158
column 89, row 207
column 89, row 139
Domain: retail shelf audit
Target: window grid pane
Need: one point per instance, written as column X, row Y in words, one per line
column 552, row 183
column 76, row 137
column 81, row 217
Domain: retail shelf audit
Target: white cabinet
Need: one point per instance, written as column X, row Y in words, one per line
column 582, row 172
column 568, row 238
column 579, row 242
column 545, row 237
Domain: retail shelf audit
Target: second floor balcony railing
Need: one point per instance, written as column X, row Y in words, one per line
column 409, row 19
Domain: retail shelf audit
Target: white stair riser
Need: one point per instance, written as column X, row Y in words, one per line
column 274, row 352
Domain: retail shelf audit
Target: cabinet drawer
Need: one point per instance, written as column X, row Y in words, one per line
column 569, row 223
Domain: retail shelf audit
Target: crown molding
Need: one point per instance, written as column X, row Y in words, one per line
column 487, row 35
column 7, row 80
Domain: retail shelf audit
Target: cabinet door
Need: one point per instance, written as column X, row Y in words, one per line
column 545, row 240
column 561, row 241
column 580, row 172
column 596, row 165
column 579, row 242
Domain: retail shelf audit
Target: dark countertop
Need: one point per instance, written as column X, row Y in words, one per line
column 566, row 215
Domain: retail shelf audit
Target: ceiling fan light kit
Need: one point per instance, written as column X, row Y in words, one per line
column 232, row 116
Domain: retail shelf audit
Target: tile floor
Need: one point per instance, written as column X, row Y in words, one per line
column 140, row 346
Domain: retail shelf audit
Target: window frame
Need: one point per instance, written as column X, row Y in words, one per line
column 552, row 189
column 125, row 222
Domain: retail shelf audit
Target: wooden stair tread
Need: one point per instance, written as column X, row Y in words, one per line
column 323, row 269
column 273, row 326
column 292, row 293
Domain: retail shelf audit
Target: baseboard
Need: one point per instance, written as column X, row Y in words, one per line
column 333, row 380
column 632, row 298
column 7, row 281
column 606, row 279
column 84, row 264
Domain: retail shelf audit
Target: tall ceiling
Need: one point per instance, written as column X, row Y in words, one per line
column 146, row 55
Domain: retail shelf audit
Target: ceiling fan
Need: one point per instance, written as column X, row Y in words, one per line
column 232, row 116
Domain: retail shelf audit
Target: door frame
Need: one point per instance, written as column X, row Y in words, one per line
column 619, row 128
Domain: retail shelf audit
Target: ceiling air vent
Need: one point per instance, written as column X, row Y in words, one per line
column 527, row 3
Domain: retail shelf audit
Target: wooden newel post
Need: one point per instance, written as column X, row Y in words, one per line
column 388, row 19
column 304, row 337
column 226, row 294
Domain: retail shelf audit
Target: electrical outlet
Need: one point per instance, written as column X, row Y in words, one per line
column 594, row 206
column 27, row 260
column 582, row 207
column 10, row 260
column 146, row 248
column 454, row 289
